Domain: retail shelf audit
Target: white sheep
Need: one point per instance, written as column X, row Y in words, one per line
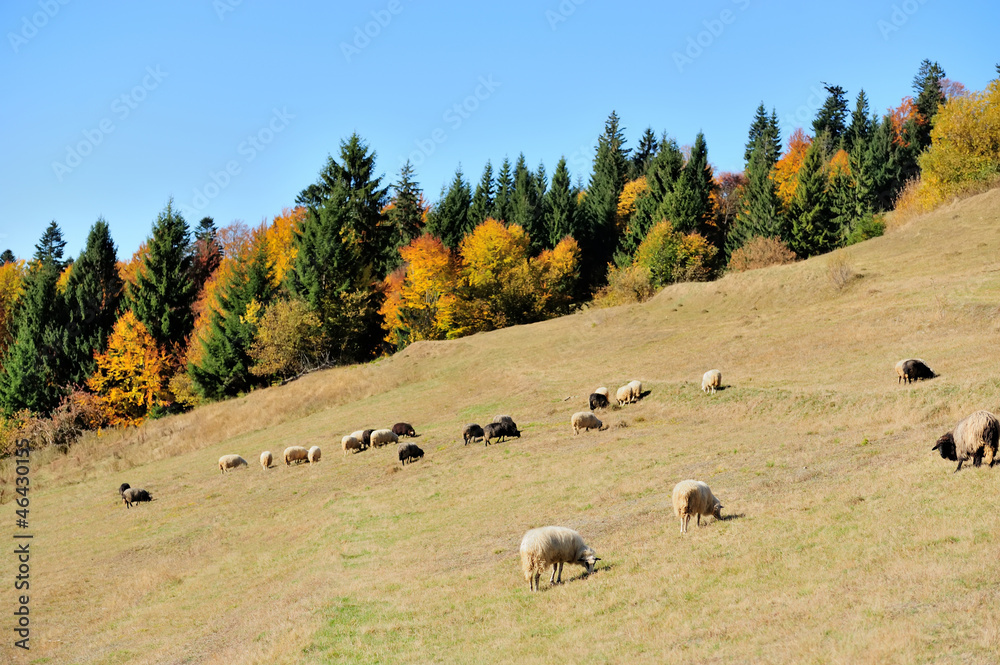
column 314, row 454
column 603, row 391
column 711, row 380
column 351, row 442
column 383, row 437
column 553, row 546
column 585, row 420
column 295, row 454
column 266, row 459
column 973, row 437
column 227, row 462
column 624, row 395
column 636, row 387
column 693, row 497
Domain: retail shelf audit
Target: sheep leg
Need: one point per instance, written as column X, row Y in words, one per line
column 698, row 519
column 959, row 465
column 977, row 459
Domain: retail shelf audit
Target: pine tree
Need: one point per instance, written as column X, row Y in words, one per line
column 600, row 207
column 692, row 203
column 526, row 209
column 930, row 95
column 644, row 153
column 760, row 214
column 93, row 291
column 7, row 257
column 560, row 215
column 657, row 204
column 812, row 229
column 206, row 252
column 51, row 246
column 541, row 180
column 502, row 200
column 482, row 200
column 829, row 127
column 861, row 127
column 163, row 292
column 449, row 219
column 406, row 217
column 757, row 128
column 224, row 366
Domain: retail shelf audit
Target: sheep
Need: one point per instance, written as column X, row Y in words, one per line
column 314, row 454
column 553, row 546
column 403, row 429
column 624, row 395
column 972, row 437
column 351, row 442
column 693, row 497
column 585, row 420
column 636, row 387
column 494, row 431
column 409, row 452
column 383, row 437
column 366, row 437
column 603, row 391
column 503, row 419
column 471, row 432
column 295, row 454
column 135, row 495
column 911, row 369
column 266, row 458
column 122, row 488
column 508, row 426
column 711, row 380
column 598, row 401
column 228, row 462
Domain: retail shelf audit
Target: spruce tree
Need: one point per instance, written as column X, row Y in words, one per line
column 51, row 246
column 761, row 209
column 526, row 206
column 560, row 208
column 206, row 252
column 644, row 153
column 757, row 128
column 929, row 96
column 861, row 127
column 829, row 125
column 93, row 291
column 7, row 257
column 812, row 230
column 692, row 204
column 600, row 207
column 449, row 219
column 406, row 217
column 223, row 369
column 503, row 199
column 482, row 200
column 657, row 203
column 163, row 293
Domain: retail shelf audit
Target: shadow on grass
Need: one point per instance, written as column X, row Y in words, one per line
column 737, row 516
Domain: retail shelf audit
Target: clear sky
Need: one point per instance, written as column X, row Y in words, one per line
column 110, row 108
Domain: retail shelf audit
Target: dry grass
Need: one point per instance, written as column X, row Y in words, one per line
column 847, row 540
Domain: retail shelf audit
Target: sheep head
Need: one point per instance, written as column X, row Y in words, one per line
column 587, row 559
column 946, row 444
column 717, row 510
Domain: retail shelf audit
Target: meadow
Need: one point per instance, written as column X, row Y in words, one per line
column 845, row 539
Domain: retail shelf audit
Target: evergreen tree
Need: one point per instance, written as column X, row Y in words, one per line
column 33, row 364
column 829, row 127
column 482, row 200
column 224, row 366
column 406, row 217
column 844, row 205
column 163, row 293
column 757, row 128
column 526, row 206
column 692, row 203
column 541, row 180
column 812, row 229
column 861, row 127
column 929, row 96
column 657, row 204
column 449, row 219
column 503, row 200
column 644, row 153
column 51, row 246
column 774, row 134
column 93, row 291
column 600, row 207
column 560, row 209
column 7, row 257
column 760, row 214
column 206, row 252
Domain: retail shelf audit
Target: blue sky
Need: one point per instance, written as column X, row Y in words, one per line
column 231, row 106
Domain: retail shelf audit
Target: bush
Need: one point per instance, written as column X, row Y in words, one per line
column 869, row 226
column 670, row 257
column 839, row 271
column 625, row 285
column 761, row 252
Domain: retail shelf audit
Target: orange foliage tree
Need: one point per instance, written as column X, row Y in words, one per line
column 840, row 164
column 420, row 296
column 280, row 238
column 786, row 172
column 901, row 115
column 130, row 375
column 129, row 270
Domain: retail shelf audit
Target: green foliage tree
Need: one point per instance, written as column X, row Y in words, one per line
column 760, row 214
column 51, row 246
column 644, row 153
column 449, row 219
column 7, row 257
column 812, row 228
column 482, row 201
column 503, row 199
column 764, row 125
column 406, row 218
column 859, row 132
column 526, row 209
column 692, row 203
column 560, row 208
column 929, row 96
column 829, row 126
column 206, row 252
column 600, row 206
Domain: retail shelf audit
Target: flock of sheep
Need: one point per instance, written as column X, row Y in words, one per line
column 975, row 437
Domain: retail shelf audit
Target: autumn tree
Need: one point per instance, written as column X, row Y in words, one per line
column 280, row 239
column 670, row 256
column 11, row 286
column 726, row 201
column 786, row 170
column 449, row 219
column 206, row 252
column 130, row 376
column 420, row 301
column 290, row 341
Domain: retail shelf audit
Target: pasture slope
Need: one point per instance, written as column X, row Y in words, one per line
column 847, row 540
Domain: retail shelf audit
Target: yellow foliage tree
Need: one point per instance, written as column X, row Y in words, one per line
column 11, row 286
column 840, row 164
column 129, row 270
column 559, row 269
column 626, row 201
column 420, row 298
column 129, row 380
column 786, row 172
column 669, row 256
column 280, row 238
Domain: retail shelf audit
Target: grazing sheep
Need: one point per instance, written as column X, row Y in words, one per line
column 636, row 387
column 494, row 431
column 598, row 401
column 603, row 391
column 693, row 497
column 711, row 380
column 359, row 435
column 351, row 442
column 228, row 462
column 295, row 454
column 122, row 488
column 383, row 437
column 624, row 395
column 366, row 437
column 135, row 495
column 503, row 419
column 472, row 432
column 266, row 458
column 911, row 369
column 314, row 454
column 510, row 429
column 585, row 420
column 403, row 429
column 409, row 452
column 553, row 546
column 972, row 437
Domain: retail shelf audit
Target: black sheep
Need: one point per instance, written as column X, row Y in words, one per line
column 366, row 438
column 471, row 432
column 409, row 452
column 135, row 495
column 403, row 429
column 122, row 488
column 494, row 431
column 914, row 369
column 598, row 401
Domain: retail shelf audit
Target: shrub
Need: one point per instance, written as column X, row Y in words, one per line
column 290, row 341
column 670, row 257
column 869, row 226
column 625, row 285
column 839, row 271
column 761, row 252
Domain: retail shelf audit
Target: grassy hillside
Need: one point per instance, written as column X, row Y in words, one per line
column 846, row 539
